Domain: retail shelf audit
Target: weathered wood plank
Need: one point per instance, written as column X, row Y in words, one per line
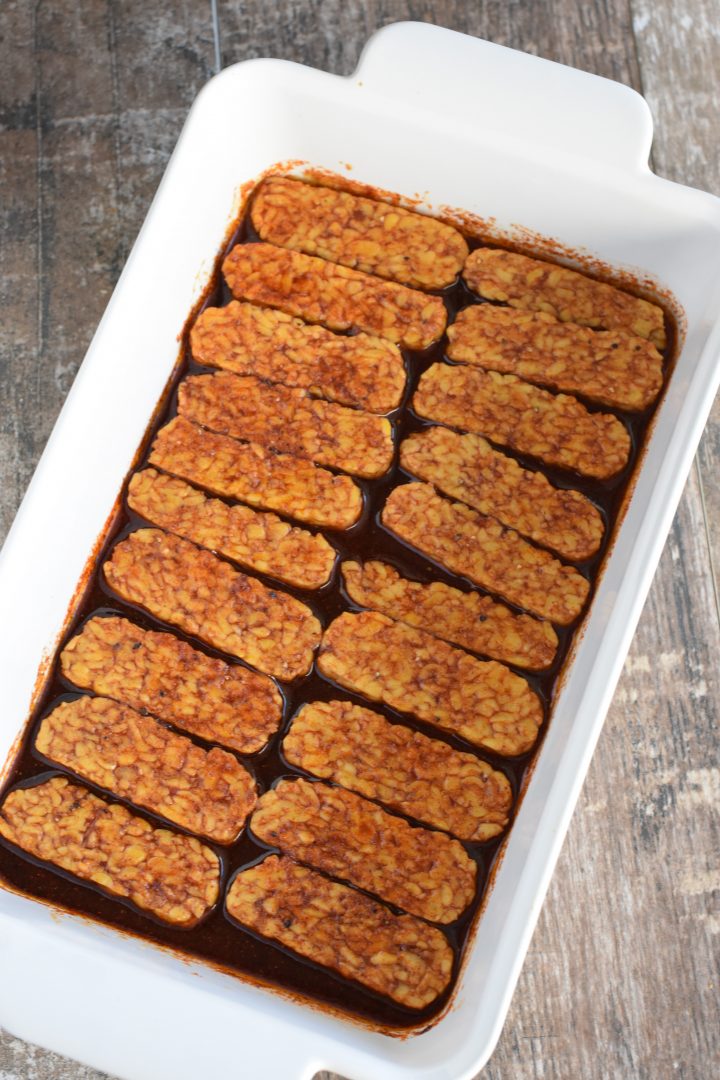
column 679, row 49
column 595, row 36
column 92, row 100
column 19, row 286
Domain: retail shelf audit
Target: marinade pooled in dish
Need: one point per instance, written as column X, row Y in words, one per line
column 290, row 724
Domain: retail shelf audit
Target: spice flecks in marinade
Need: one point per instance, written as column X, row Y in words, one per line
column 289, row 420
column 491, row 555
column 255, row 475
column 570, row 296
column 174, row 877
column 425, row 873
column 609, row 367
column 409, row 670
column 398, row 956
column 468, row 468
column 249, row 340
column 555, row 428
column 202, row 595
column 139, row 759
column 147, row 669
column 421, row 777
column 468, row 619
column 361, row 233
column 260, row 541
column 339, row 298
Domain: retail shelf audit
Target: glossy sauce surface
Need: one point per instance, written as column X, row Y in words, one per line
column 216, row 939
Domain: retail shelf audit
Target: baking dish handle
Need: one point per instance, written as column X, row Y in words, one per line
column 471, row 81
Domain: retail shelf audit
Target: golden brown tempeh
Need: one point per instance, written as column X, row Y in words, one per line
column 257, row 476
column 537, row 285
column 174, row 877
column 258, row 540
column 249, row 340
column 220, row 702
column 468, row 619
column 139, row 759
column 359, row 232
column 611, row 367
column 412, row 671
column 193, row 590
column 421, row 777
column 467, row 467
column 491, row 555
column 425, row 873
column 340, row 298
column 289, row 420
column 394, row 955
column 555, row 428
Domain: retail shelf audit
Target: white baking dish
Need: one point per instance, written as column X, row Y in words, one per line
column 509, row 137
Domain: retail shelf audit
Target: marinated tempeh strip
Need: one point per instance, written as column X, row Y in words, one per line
column 555, row 428
column 425, row 873
column 289, row 420
column 467, row 467
column 174, row 877
column 359, row 232
column 397, row 956
column 611, row 367
column 193, row 590
column 220, row 702
column 139, row 759
column 249, row 340
column 257, row 476
column 258, row 540
column 536, row 285
column 421, row 777
column 412, row 671
column 340, row 298
column 490, row 554
column 467, row 619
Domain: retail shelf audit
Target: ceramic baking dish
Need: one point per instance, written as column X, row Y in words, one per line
column 532, row 148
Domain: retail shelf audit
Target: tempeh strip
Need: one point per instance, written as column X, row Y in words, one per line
column 193, row 590
column 610, row 367
column 289, row 420
column 363, row 233
column 257, row 476
column 174, row 877
column 423, row 778
column 139, row 759
column 536, row 285
column 555, row 428
column 249, row 340
column 490, row 554
column 397, row 956
column 339, row 298
column 468, row 619
column 467, row 467
column 220, row 702
column 258, row 540
column 409, row 670
column 425, row 873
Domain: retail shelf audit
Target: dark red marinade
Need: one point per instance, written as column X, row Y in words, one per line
column 216, row 939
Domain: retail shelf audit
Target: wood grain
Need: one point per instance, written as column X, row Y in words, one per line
column 92, row 100
column 621, row 979
column 679, row 47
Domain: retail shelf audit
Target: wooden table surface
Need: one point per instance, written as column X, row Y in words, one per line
column 622, row 975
